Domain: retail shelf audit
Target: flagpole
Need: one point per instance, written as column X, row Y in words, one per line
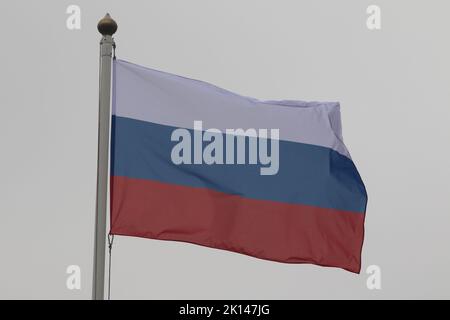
column 107, row 27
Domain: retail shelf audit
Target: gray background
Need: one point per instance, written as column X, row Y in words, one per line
column 393, row 85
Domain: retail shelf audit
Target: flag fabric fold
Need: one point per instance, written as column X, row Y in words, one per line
column 196, row 163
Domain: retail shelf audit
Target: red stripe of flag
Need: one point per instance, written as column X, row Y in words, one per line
column 269, row 230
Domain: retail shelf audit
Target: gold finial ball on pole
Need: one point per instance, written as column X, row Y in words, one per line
column 107, row 26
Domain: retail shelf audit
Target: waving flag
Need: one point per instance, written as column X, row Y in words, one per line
column 271, row 179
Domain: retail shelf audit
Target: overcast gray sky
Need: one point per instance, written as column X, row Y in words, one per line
column 393, row 86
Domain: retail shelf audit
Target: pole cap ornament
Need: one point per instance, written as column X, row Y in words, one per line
column 107, row 26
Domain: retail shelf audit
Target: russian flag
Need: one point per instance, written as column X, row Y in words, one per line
column 196, row 163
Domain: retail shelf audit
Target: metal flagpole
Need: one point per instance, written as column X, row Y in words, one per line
column 107, row 27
